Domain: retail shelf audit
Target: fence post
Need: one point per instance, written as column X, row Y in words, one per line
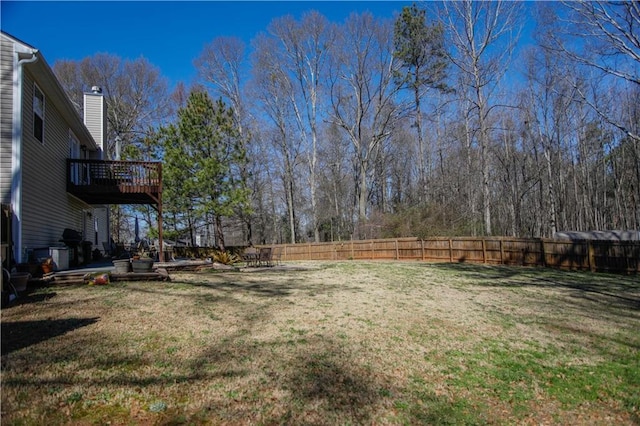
column 501, row 252
column 543, row 253
column 450, row 251
column 422, row 248
column 397, row 251
column 484, row 250
column 592, row 256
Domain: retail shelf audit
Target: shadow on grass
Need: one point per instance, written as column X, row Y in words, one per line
column 324, row 382
column 29, row 297
column 325, row 376
column 612, row 291
column 288, row 379
column 21, row 334
column 234, row 376
column 278, row 287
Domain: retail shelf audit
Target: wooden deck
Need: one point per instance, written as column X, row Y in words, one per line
column 115, row 182
column 82, row 276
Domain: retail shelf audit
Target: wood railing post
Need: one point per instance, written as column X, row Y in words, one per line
column 484, row 250
column 397, row 251
column 450, row 251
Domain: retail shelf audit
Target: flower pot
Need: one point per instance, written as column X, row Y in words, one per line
column 47, row 268
column 32, row 268
column 122, row 266
column 142, row 265
column 19, row 280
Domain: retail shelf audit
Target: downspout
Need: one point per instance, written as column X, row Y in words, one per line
column 16, row 149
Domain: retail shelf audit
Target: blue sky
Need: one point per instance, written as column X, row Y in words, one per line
column 169, row 34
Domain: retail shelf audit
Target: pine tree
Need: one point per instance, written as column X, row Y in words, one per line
column 420, row 48
column 204, row 154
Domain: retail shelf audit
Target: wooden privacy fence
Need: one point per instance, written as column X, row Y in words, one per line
column 593, row 255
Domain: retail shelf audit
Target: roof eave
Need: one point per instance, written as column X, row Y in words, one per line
column 47, row 78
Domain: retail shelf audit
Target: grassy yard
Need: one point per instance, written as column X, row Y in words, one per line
column 329, row 343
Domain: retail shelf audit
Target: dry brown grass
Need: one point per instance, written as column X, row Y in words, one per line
column 329, row 343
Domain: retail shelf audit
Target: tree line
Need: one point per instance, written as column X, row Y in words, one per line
column 454, row 118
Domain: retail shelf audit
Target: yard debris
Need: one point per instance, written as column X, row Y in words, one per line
column 98, row 278
column 216, row 266
column 158, row 407
column 183, row 265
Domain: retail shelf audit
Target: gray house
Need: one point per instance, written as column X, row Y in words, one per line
column 53, row 176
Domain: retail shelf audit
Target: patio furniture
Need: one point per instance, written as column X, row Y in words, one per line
column 265, row 258
column 250, row 256
column 72, row 239
column 276, row 256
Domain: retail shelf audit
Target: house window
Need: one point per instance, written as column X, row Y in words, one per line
column 74, row 152
column 74, row 146
column 38, row 113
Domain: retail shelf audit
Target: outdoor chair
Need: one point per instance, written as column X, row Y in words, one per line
column 276, row 256
column 265, row 257
column 250, row 256
column 167, row 250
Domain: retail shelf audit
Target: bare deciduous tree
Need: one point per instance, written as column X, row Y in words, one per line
column 364, row 100
column 135, row 92
column 604, row 36
column 483, row 35
column 220, row 66
column 302, row 51
column 273, row 88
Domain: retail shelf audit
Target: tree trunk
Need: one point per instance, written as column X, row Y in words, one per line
column 219, row 233
column 422, row 181
column 362, row 194
column 553, row 218
column 484, row 153
column 312, row 186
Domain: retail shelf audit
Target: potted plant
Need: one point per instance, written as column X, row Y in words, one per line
column 122, row 265
column 144, row 263
column 47, row 265
column 19, row 280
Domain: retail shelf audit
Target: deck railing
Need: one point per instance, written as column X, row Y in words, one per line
column 110, row 173
column 89, row 178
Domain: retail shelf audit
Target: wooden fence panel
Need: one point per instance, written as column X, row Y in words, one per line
column 437, row 250
column 600, row 256
column 608, row 256
column 409, row 249
column 468, row 250
column 571, row 255
column 343, row 250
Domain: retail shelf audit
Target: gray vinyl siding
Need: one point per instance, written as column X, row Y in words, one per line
column 6, row 117
column 47, row 208
column 94, row 109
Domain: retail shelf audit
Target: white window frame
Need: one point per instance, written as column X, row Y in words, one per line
column 38, row 110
